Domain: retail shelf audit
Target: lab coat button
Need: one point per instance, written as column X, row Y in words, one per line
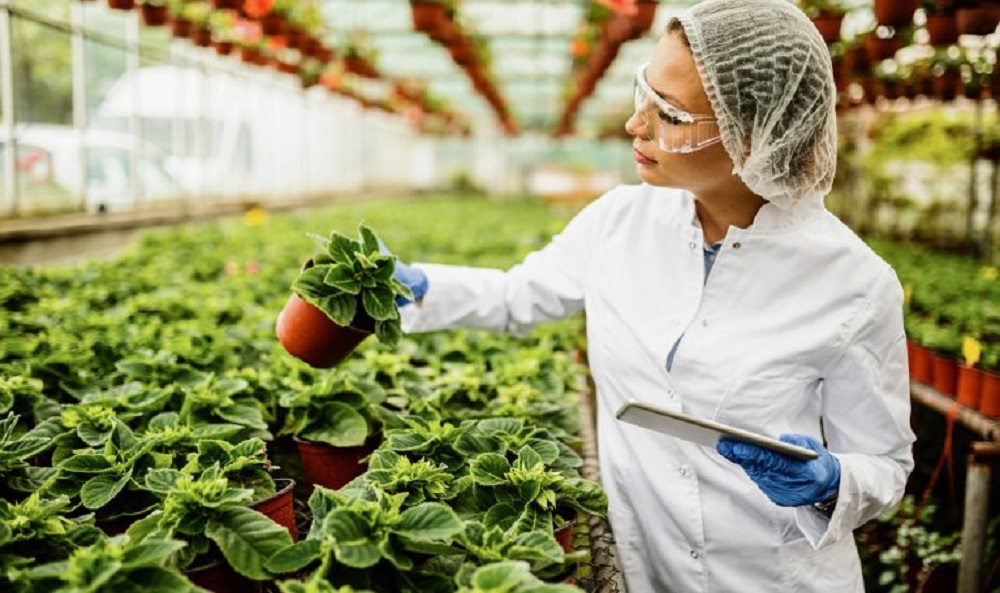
column 684, row 471
column 737, row 245
column 692, row 244
column 704, row 323
column 694, row 554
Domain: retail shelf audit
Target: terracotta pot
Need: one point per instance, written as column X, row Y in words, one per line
column 989, row 396
column 946, row 86
column 945, row 374
column 223, row 48
column 942, row 28
column 153, row 15
column 279, row 508
column 272, row 24
column 829, row 26
column 880, row 49
column 180, row 27
column 564, row 535
column 332, row 467
column 920, row 364
column 426, row 16
column 227, row 4
column 312, row 337
column 895, row 13
column 201, row 36
column 969, row 386
column 121, row 4
column 644, row 16
column 974, row 21
column 219, row 577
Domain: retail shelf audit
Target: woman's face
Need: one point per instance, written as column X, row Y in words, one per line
column 673, row 75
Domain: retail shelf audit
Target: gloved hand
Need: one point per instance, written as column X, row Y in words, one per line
column 412, row 278
column 787, row 481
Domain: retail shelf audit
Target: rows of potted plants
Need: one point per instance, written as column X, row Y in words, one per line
column 152, row 402
column 605, row 27
column 953, row 324
column 441, row 22
column 942, row 68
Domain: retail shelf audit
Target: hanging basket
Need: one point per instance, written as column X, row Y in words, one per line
column 828, row 25
column 895, row 13
column 153, row 15
column 942, row 28
column 121, row 4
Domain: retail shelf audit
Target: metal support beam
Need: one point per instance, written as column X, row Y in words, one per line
column 7, row 98
column 977, row 508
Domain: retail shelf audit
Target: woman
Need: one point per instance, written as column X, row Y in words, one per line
column 723, row 288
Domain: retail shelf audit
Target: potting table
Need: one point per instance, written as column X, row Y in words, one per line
column 977, row 479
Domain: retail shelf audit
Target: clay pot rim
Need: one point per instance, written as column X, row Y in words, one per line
column 278, row 493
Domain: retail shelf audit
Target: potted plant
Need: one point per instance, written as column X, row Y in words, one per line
column 115, row 564
column 942, row 27
column 359, row 56
column 515, row 577
column 214, row 518
column 341, row 296
column 366, row 537
column 154, row 12
column 335, row 424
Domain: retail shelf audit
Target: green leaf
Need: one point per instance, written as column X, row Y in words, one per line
column 247, row 539
column 162, row 481
column 25, row 447
column 501, row 515
column 490, row 469
column 87, row 463
column 342, row 278
column 295, row 557
column 149, row 552
column 537, row 545
column 342, row 248
column 244, row 414
column 369, row 241
column 355, row 546
column 339, row 425
column 100, row 490
column 429, row 521
column 154, row 579
column 164, row 420
column 501, row 577
column 392, row 552
column 93, row 436
column 379, row 303
column 501, row 426
column 389, row 331
column 340, row 308
column 547, row 450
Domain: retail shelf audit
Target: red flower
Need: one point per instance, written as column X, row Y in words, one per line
column 257, row 8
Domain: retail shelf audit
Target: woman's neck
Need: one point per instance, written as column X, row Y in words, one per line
column 719, row 211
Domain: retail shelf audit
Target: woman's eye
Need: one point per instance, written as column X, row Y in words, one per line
column 669, row 119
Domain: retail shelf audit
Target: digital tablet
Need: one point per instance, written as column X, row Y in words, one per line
column 701, row 431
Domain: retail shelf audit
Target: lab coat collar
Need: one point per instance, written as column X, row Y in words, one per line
column 769, row 219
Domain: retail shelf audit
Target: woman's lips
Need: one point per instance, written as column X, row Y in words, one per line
column 643, row 159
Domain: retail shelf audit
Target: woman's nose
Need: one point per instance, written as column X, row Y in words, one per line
column 634, row 125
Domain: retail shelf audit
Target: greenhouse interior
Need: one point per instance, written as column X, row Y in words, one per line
column 208, row 208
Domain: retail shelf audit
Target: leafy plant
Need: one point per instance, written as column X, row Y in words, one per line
column 204, row 510
column 421, row 480
column 14, row 452
column 226, row 399
column 524, row 495
column 351, row 281
column 245, row 464
column 358, row 532
column 113, row 564
column 510, row 577
column 36, row 530
column 339, row 410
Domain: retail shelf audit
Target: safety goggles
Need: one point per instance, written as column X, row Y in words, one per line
column 672, row 128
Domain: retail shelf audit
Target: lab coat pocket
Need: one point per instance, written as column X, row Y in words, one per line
column 772, row 406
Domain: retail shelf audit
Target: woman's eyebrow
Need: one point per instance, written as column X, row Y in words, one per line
column 669, row 98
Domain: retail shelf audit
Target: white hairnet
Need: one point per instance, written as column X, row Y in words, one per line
column 769, row 79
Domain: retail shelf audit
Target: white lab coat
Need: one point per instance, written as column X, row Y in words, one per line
column 799, row 323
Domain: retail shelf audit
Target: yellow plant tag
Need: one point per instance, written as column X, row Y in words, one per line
column 907, row 293
column 971, row 350
column 988, row 272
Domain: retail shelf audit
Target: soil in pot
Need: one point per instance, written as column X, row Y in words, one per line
column 332, row 467
column 279, row 506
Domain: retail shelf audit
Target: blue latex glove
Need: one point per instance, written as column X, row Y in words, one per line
column 787, row 481
column 413, row 278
